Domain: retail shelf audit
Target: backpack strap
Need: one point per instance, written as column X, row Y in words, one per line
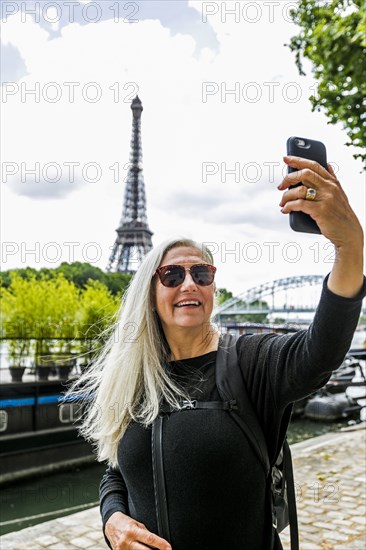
column 291, row 496
column 161, row 505
column 228, row 377
column 194, row 404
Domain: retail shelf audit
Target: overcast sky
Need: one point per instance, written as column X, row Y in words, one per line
column 221, row 95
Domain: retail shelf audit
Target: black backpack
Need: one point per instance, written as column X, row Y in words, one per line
column 279, row 475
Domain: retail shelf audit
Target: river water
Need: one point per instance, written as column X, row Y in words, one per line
column 47, row 497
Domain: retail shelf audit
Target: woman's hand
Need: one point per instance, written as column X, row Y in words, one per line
column 334, row 216
column 125, row 533
column 330, row 209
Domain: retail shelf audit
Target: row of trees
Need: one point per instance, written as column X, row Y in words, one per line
column 52, row 314
column 47, row 315
column 80, row 273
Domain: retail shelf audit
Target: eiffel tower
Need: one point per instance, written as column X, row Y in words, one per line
column 133, row 239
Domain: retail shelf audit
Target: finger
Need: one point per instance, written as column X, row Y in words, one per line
column 294, row 194
column 332, row 173
column 153, row 541
column 299, row 205
column 139, row 546
column 307, row 177
column 309, row 173
column 301, row 163
column 330, row 169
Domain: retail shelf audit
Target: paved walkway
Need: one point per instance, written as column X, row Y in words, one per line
column 330, row 479
column 330, row 476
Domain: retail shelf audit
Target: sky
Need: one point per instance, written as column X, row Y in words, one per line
column 221, row 95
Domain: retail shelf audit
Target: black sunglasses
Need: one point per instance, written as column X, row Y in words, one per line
column 174, row 275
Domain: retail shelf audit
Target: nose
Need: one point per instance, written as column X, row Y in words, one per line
column 188, row 283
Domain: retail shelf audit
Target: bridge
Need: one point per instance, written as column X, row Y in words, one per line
column 261, row 299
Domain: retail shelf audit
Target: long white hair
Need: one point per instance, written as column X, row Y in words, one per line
column 128, row 381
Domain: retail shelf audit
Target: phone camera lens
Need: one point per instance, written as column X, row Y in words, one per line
column 300, row 142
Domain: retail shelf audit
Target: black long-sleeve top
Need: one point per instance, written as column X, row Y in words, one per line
column 215, row 484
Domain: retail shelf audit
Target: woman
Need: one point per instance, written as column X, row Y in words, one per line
column 163, row 350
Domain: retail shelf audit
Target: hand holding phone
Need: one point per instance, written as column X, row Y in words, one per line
column 323, row 198
column 312, row 150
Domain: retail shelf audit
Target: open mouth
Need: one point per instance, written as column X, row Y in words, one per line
column 188, row 303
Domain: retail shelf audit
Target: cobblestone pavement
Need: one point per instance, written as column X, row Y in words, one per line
column 330, row 483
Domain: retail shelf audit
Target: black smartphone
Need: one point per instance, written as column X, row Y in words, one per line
column 312, row 150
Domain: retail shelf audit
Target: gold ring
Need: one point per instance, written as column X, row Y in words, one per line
column 310, row 194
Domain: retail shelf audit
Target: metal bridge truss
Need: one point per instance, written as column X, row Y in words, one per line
column 241, row 304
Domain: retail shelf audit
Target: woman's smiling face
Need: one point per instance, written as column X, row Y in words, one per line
column 188, row 305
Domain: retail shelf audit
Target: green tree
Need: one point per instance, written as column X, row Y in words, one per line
column 77, row 272
column 80, row 273
column 43, row 310
column 24, row 273
column 97, row 311
column 14, row 315
column 49, row 313
column 223, row 295
column 64, row 297
column 332, row 37
column 117, row 282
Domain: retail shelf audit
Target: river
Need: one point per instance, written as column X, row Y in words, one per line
column 47, row 497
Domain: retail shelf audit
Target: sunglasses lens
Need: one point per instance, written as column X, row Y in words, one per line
column 202, row 275
column 172, row 276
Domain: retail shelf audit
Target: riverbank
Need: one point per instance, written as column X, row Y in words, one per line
column 330, row 481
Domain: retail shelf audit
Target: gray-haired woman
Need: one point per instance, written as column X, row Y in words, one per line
column 163, row 351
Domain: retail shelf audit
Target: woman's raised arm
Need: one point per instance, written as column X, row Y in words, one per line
column 334, row 216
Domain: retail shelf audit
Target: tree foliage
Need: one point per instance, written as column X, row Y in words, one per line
column 223, row 295
column 77, row 272
column 53, row 313
column 98, row 308
column 332, row 37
